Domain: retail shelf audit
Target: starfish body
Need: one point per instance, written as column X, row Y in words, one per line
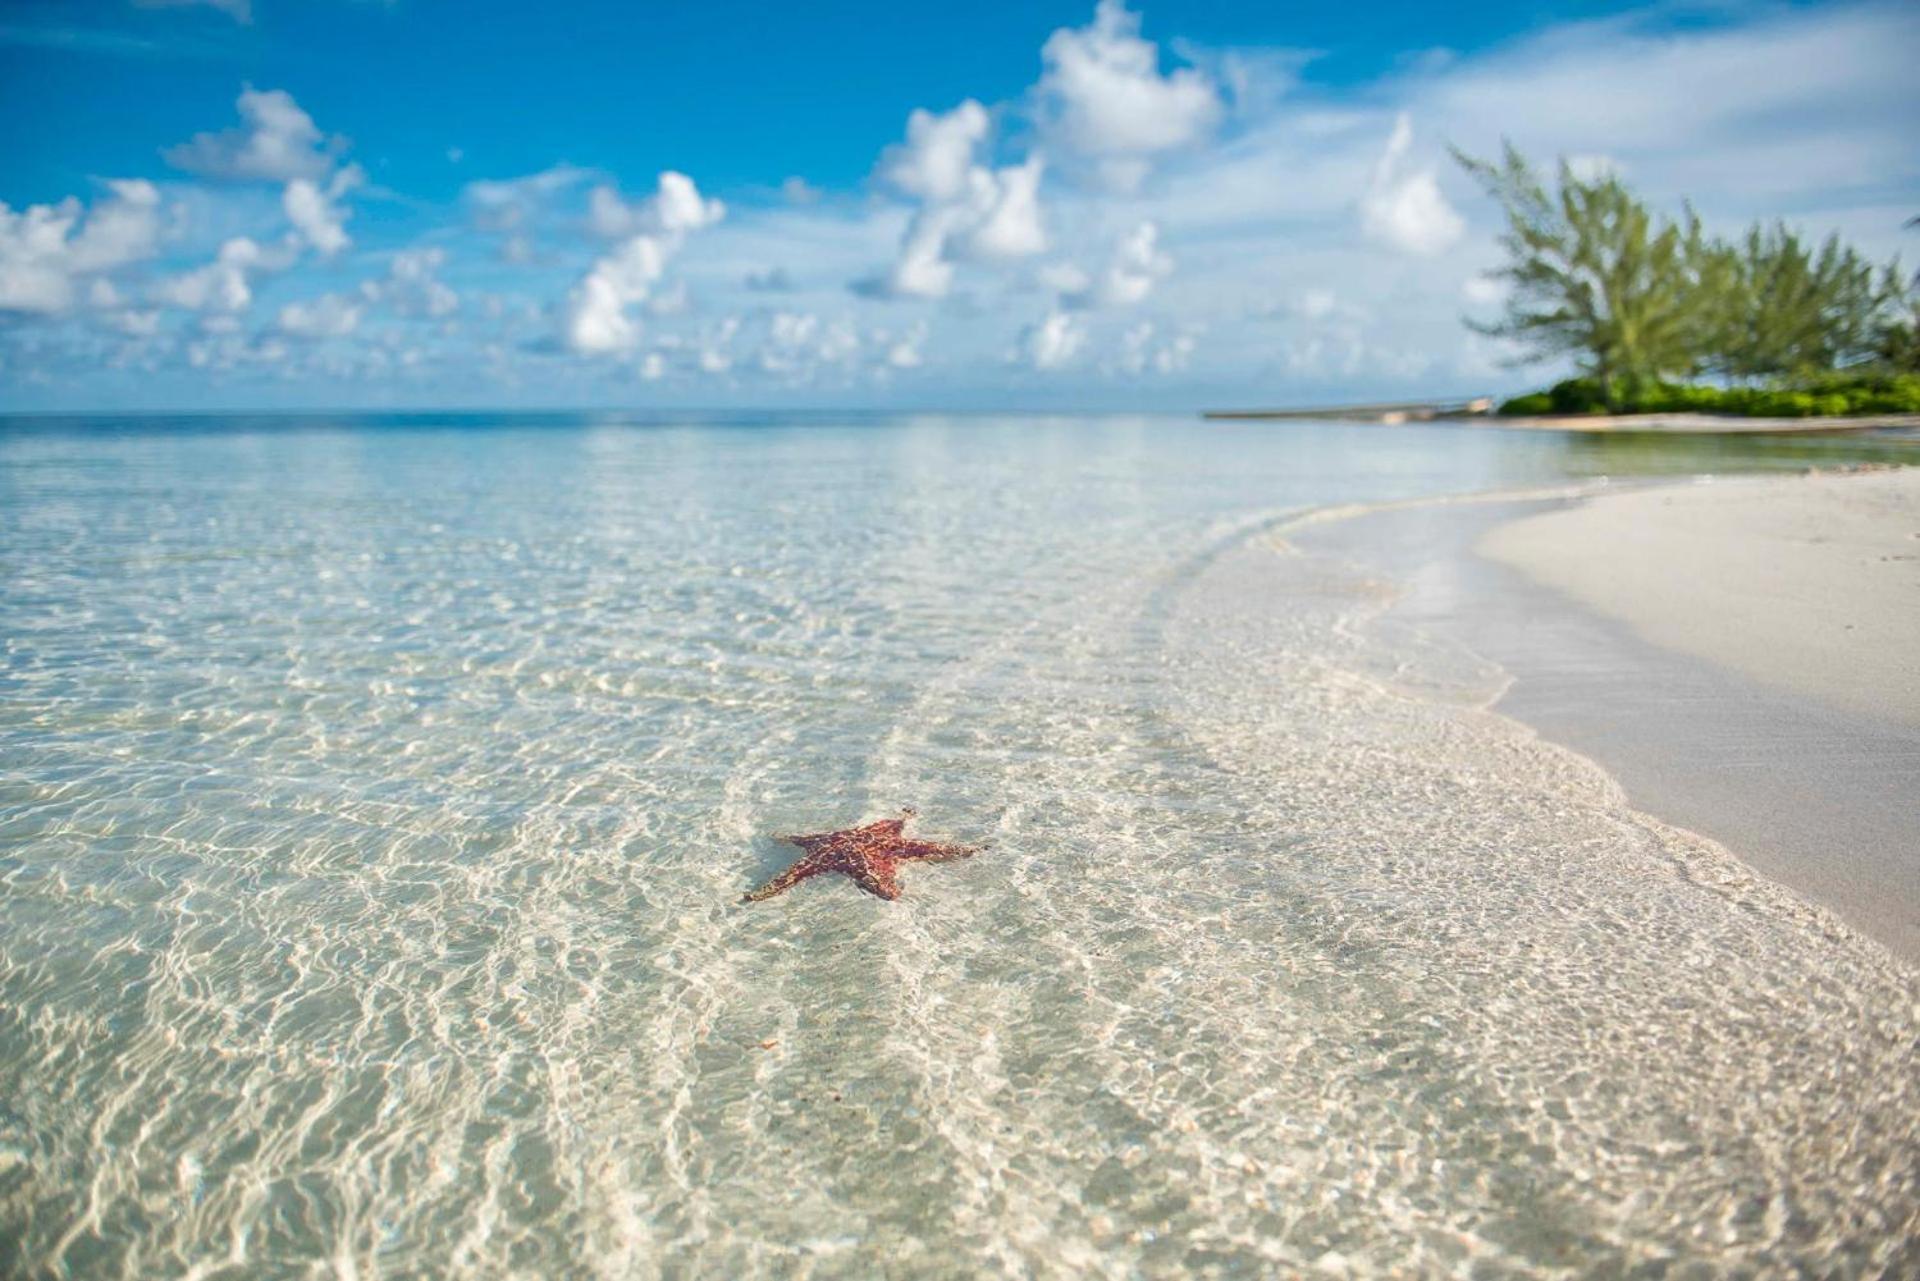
column 869, row 856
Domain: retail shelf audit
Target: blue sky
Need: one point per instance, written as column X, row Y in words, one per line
column 344, row 203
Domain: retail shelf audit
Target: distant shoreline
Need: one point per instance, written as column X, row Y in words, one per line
column 1700, row 424
column 1596, row 424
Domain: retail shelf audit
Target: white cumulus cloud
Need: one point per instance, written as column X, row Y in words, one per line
column 277, row 142
column 596, row 319
column 315, row 211
column 921, row 270
column 967, row 210
column 1103, row 96
column 937, row 156
column 1407, row 210
column 676, row 206
column 46, row 249
column 1005, row 218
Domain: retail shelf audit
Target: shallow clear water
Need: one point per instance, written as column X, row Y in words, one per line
column 375, row 796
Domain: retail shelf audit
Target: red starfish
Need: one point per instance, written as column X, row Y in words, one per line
column 869, row 855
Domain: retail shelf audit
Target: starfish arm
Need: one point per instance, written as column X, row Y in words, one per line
column 785, row 881
column 875, row 876
column 888, row 829
column 933, row 852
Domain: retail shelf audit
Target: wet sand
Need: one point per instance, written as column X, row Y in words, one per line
column 1809, row 785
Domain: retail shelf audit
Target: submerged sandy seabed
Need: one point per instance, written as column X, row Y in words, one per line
column 1284, row 956
column 1811, row 583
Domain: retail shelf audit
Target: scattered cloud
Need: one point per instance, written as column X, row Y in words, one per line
column 1135, row 267
column 597, row 321
column 904, row 351
column 714, row 353
column 223, row 285
column 1052, row 342
column 1404, row 207
column 412, row 287
column 328, row 316
column 967, row 211
column 676, row 206
column 1103, row 97
column 1143, row 350
column 934, row 161
column 276, row 142
column 1325, row 245
column 510, row 206
column 46, row 251
column 315, row 210
column 1005, row 208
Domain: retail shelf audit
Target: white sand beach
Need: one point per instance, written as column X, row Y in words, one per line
column 1809, row 583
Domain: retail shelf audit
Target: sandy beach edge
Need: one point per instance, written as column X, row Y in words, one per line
column 1809, row 583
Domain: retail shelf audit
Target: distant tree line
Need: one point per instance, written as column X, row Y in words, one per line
column 1640, row 300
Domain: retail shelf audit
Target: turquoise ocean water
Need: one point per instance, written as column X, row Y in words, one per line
column 376, row 793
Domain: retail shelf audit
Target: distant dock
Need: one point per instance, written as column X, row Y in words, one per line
column 1405, row 411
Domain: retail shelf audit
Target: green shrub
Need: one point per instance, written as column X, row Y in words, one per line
column 1780, row 404
column 1699, row 400
column 1873, row 392
column 1530, row 405
column 1673, row 398
column 1859, row 391
column 1577, row 396
column 1896, row 395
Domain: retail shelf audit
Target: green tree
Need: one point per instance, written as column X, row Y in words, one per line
column 1897, row 346
column 1596, row 276
column 1784, row 309
column 1898, row 343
